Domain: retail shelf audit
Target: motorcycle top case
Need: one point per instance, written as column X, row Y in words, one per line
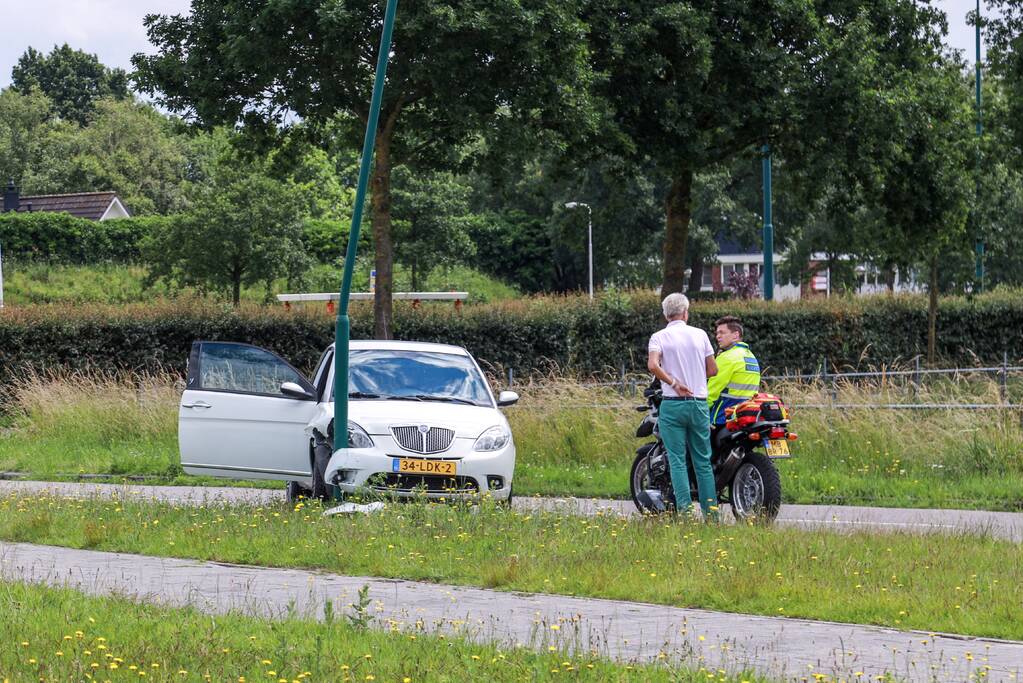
column 760, row 408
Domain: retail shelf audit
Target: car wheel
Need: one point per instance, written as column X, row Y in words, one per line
column 321, row 489
column 294, row 491
column 507, row 502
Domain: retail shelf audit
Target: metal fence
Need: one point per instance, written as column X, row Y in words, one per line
column 631, row 385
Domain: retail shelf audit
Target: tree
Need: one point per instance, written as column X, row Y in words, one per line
column 693, row 85
column 456, row 69
column 24, row 125
column 128, row 147
column 244, row 227
column 432, row 222
column 928, row 183
column 72, row 79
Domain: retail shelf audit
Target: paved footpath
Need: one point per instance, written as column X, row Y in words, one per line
column 1004, row 525
column 789, row 649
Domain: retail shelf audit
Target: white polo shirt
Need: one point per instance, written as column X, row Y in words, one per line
column 684, row 352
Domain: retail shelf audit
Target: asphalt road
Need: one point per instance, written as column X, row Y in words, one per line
column 1002, row 525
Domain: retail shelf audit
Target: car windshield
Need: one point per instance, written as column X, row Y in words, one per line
column 415, row 376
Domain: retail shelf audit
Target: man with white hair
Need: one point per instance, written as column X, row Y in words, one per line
column 682, row 358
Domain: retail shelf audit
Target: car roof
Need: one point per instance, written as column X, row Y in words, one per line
column 391, row 345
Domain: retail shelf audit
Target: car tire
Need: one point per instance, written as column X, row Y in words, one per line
column 294, row 491
column 321, row 489
column 507, row 502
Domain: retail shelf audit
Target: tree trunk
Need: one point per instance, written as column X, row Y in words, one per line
column 236, row 286
column 678, row 209
column 384, row 259
column 696, row 274
column 889, row 277
column 932, row 313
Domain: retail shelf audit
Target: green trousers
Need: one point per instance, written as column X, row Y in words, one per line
column 685, row 429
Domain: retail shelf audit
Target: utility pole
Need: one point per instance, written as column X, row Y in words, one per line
column 589, row 232
column 979, row 274
column 768, row 228
column 342, row 329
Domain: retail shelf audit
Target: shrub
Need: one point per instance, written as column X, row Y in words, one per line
column 571, row 333
column 62, row 237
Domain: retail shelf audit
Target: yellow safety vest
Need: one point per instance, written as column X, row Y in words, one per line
column 738, row 379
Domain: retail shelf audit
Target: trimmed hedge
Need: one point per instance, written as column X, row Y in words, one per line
column 62, row 237
column 569, row 334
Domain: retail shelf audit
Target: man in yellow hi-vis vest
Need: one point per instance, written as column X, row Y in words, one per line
column 738, row 377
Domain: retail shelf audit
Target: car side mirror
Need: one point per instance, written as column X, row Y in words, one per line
column 507, row 398
column 293, row 390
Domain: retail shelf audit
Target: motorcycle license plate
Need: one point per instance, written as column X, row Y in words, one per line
column 777, row 448
column 417, row 466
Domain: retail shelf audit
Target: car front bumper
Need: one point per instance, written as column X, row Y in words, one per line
column 374, row 469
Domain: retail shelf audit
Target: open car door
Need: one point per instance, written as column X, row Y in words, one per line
column 235, row 420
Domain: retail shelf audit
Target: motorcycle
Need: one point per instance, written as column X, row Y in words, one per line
column 742, row 459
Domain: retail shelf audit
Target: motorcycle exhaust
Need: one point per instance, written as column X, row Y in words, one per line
column 728, row 467
column 652, row 500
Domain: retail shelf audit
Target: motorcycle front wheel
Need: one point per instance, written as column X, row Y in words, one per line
column 640, row 483
column 755, row 490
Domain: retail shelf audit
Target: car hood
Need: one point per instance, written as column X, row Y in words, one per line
column 377, row 417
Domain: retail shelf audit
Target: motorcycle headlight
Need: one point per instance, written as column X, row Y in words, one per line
column 357, row 437
column 494, row 439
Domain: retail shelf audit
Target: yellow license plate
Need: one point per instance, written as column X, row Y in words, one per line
column 415, row 466
column 777, row 448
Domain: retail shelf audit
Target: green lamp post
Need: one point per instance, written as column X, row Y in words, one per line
column 342, row 331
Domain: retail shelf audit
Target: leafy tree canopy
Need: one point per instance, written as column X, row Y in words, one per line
column 456, row 69
column 72, row 79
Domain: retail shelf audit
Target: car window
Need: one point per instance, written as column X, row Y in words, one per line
column 320, row 376
column 386, row 373
column 247, row 369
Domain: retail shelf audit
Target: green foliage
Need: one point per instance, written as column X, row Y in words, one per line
column 432, row 221
column 126, row 146
column 63, row 238
column 528, row 335
column 458, row 69
column 243, row 227
column 72, row 79
column 325, row 240
column 25, row 124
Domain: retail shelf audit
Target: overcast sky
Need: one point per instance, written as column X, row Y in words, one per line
column 112, row 29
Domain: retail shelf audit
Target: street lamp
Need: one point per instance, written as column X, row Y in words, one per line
column 589, row 230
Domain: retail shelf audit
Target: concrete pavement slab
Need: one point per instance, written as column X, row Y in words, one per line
column 789, row 649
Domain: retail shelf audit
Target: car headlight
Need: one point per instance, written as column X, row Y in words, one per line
column 357, row 437
column 494, row 439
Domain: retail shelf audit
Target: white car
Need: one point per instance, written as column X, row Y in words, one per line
column 422, row 419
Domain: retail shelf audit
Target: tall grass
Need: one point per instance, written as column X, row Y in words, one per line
column 60, row 634
column 124, row 423
column 576, row 439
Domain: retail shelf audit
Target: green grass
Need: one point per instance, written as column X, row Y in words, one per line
column 965, row 584
column 32, row 282
column 571, row 440
column 60, row 634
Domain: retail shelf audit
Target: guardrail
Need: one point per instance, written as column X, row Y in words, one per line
column 415, row 297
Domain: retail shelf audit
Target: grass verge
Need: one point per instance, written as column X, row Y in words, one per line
column 60, row 634
column 577, row 440
column 958, row 584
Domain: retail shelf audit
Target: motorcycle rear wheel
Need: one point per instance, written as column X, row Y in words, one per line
column 755, row 491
